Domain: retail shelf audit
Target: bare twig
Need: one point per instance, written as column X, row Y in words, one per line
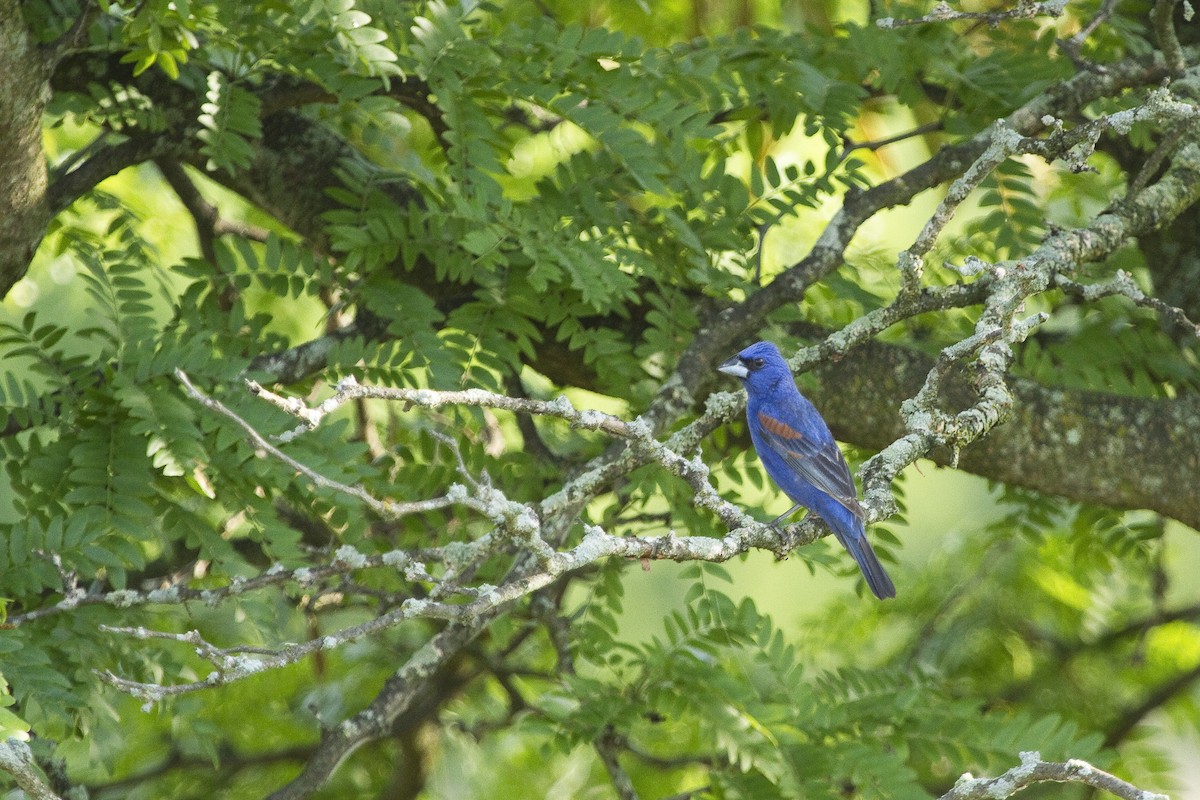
column 1122, row 283
column 1101, row 16
column 608, row 747
column 1033, row 770
column 942, row 12
column 385, row 508
column 230, row 665
column 349, row 389
column 1004, row 143
column 849, row 147
column 1073, row 46
column 409, row 563
column 1163, row 17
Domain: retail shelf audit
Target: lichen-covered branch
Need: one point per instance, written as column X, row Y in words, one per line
column 17, row 760
column 1162, row 16
column 349, row 390
column 1033, row 770
column 962, row 403
column 385, row 508
column 942, row 12
column 519, row 523
column 1122, row 283
column 1067, row 442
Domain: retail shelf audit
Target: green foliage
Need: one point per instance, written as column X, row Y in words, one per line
column 229, row 119
column 115, row 106
column 360, row 44
column 1013, row 222
column 535, row 199
column 1040, row 598
column 11, row 726
column 722, row 681
column 1113, row 345
column 157, row 32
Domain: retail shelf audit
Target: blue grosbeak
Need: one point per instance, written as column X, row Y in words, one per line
column 801, row 456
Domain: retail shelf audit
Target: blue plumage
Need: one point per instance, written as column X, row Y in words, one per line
column 801, row 456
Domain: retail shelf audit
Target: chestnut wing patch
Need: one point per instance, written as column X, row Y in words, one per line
column 822, row 465
column 780, row 429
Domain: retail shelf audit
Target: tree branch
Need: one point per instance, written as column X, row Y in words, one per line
column 177, row 760
column 1160, row 696
column 401, row 693
column 1163, row 17
column 1067, row 442
column 1033, row 770
column 104, row 162
column 1073, row 46
column 1122, row 283
column 24, row 211
column 17, row 760
column 208, row 219
column 519, row 524
column 608, row 746
column 942, row 12
column 349, row 390
column 209, row 223
column 385, row 508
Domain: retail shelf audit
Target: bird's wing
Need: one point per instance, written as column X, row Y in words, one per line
column 820, row 463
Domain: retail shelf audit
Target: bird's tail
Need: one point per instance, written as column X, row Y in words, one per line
column 855, row 541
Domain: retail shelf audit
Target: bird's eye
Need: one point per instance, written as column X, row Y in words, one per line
column 756, row 363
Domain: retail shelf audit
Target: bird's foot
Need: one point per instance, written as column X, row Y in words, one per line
column 785, row 543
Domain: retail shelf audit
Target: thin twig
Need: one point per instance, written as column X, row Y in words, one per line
column 1163, row 18
column 1106, row 11
column 349, row 389
column 1033, row 770
column 608, row 747
column 1123, row 284
column 876, row 144
column 942, row 12
column 1073, row 46
column 385, row 508
column 1005, row 142
column 409, row 562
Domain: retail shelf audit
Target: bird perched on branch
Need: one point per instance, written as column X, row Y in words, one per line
column 801, row 456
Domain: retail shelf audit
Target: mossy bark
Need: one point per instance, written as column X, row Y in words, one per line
column 23, row 179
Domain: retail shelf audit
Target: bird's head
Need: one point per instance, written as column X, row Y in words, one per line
column 758, row 366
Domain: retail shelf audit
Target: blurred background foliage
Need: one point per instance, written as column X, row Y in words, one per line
column 585, row 175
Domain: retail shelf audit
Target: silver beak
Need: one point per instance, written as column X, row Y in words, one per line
column 733, row 366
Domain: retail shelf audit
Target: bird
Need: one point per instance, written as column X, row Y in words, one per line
column 800, row 454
